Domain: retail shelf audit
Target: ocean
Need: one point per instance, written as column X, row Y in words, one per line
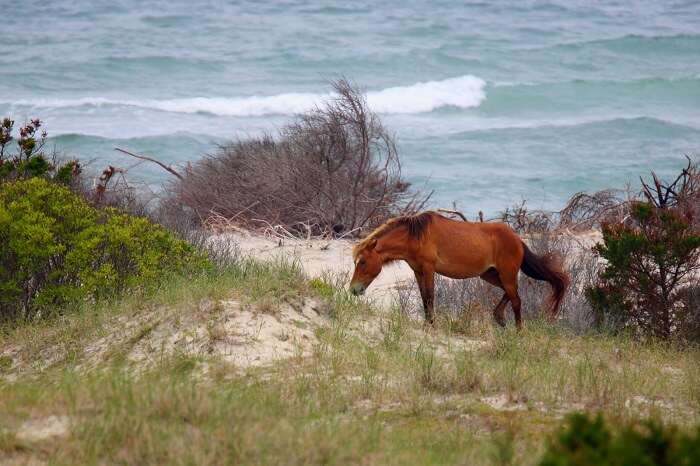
column 491, row 103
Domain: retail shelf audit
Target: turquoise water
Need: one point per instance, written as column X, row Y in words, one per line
column 491, row 102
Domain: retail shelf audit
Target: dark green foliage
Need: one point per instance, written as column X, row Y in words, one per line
column 67, row 173
column 56, row 249
column 648, row 264
column 652, row 256
column 29, row 160
column 585, row 441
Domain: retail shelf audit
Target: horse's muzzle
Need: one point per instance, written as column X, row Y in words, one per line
column 357, row 289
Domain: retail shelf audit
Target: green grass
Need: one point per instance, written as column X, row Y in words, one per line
column 66, row 335
column 378, row 388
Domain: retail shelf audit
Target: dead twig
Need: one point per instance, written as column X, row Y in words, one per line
column 453, row 212
column 149, row 159
column 347, row 233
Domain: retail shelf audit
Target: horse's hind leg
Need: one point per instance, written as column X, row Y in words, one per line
column 499, row 311
column 491, row 276
column 510, row 285
column 508, row 279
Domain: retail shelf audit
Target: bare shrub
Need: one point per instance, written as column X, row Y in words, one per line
column 220, row 250
column 465, row 296
column 614, row 206
column 523, row 220
column 588, row 211
column 112, row 188
column 462, row 306
column 583, row 211
column 333, row 170
column 407, row 299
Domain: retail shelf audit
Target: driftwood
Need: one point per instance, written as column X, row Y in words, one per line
column 152, row 160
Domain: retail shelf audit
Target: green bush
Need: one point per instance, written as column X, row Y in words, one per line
column 650, row 261
column 29, row 160
column 584, row 441
column 56, row 249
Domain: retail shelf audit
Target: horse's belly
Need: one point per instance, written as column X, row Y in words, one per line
column 460, row 271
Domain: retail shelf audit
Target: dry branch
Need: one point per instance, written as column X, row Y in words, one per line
column 453, row 212
column 150, row 159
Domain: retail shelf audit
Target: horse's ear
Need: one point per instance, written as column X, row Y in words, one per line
column 372, row 244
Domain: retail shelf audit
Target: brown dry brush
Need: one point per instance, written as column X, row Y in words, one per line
column 112, row 188
column 582, row 212
column 525, row 221
column 333, row 170
column 683, row 194
column 585, row 211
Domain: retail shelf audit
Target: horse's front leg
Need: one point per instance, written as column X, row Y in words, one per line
column 426, row 284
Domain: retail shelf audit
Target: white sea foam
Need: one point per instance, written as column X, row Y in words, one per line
column 463, row 92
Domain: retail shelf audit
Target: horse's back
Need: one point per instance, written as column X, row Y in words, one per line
column 468, row 249
column 492, row 234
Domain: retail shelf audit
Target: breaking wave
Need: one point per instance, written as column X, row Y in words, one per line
column 462, row 92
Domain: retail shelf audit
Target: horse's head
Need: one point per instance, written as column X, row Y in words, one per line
column 368, row 264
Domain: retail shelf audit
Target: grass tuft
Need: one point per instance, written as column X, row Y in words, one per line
column 377, row 388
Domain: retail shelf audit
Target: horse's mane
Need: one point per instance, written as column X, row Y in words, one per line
column 415, row 224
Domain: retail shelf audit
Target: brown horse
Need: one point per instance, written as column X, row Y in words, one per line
column 431, row 243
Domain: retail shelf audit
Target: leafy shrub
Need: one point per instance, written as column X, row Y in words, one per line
column 56, row 249
column 29, row 159
column 585, row 441
column 332, row 170
column 109, row 189
column 650, row 260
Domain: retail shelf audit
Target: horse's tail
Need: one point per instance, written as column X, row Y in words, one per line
column 547, row 267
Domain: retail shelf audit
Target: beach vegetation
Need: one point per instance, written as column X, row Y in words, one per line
column 651, row 263
column 334, row 170
column 27, row 158
column 373, row 388
column 57, row 249
column 588, row 440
